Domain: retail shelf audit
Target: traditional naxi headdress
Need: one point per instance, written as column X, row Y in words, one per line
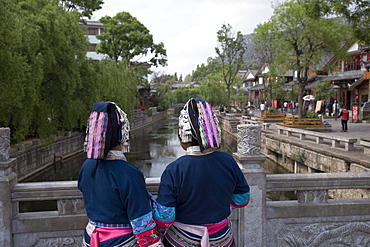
column 198, row 122
column 107, row 127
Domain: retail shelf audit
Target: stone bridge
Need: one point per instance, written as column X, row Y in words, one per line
column 309, row 218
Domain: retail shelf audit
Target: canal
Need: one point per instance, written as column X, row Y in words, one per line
column 152, row 149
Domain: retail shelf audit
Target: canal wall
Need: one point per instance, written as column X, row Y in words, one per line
column 35, row 156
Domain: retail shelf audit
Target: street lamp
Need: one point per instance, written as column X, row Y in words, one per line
column 337, row 89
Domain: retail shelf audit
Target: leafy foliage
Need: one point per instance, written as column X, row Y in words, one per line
column 230, row 51
column 324, row 90
column 128, row 39
column 84, row 7
column 47, row 82
column 354, row 12
column 300, row 40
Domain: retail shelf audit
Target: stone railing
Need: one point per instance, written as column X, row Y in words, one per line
column 319, row 137
column 248, row 120
column 310, row 219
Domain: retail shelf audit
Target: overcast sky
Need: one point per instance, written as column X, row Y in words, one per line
column 189, row 28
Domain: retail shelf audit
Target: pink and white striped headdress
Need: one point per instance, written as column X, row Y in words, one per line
column 198, row 122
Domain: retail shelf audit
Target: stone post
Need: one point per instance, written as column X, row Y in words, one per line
column 252, row 224
column 7, row 179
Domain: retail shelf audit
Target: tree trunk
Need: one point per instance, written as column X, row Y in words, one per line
column 300, row 99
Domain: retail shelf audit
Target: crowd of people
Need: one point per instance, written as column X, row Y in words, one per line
column 196, row 193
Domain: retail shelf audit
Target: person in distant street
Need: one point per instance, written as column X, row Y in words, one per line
column 323, row 108
column 262, row 107
column 198, row 190
column 321, row 115
column 330, row 109
column 285, row 105
column 296, row 106
column 344, row 115
column 336, row 109
column 222, row 108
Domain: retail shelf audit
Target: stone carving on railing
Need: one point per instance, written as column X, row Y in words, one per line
column 66, row 242
column 312, row 196
column 4, row 144
column 249, row 139
column 351, row 234
column 71, row 206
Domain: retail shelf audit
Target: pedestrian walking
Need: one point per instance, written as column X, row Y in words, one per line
column 344, row 115
column 336, row 109
column 285, row 104
column 262, row 107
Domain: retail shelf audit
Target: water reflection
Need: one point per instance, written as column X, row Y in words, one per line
column 153, row 148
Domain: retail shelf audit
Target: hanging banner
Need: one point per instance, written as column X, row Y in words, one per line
column 355, row 112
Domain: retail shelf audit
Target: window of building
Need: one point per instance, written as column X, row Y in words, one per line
column 352, row 63
column 92, row 31
column 92, row 47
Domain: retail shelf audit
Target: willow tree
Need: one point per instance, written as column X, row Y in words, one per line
column 301, row 41
column 213, row 89
column 43, row 46
column 13, row 70
column 230, row 51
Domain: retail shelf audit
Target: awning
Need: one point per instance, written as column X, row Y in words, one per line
column 357, row 83
column 257, row 87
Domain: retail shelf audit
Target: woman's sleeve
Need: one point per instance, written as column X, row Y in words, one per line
column 163, row 216
column 240, row 197
column 139, row 212
column 144, row 229
column 164, row 206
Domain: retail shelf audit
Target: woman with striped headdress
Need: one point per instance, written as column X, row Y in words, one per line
column 114, row 191
column 198, row 190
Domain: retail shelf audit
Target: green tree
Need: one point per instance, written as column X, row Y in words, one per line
column 182, row 94
column 14, row 69
column 203, row 70
column 355, row 12
column 120, row 84
column 128, row 39
column 84, row 7
column 188, row 78
column 166, row 97
column 301, row 41
column 324, row 90
column 62, row 47
column 42, row 71
column 213, row 89
column 263, row 38
column 230, row 50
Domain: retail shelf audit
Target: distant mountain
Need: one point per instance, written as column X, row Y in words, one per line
column 250, row 58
